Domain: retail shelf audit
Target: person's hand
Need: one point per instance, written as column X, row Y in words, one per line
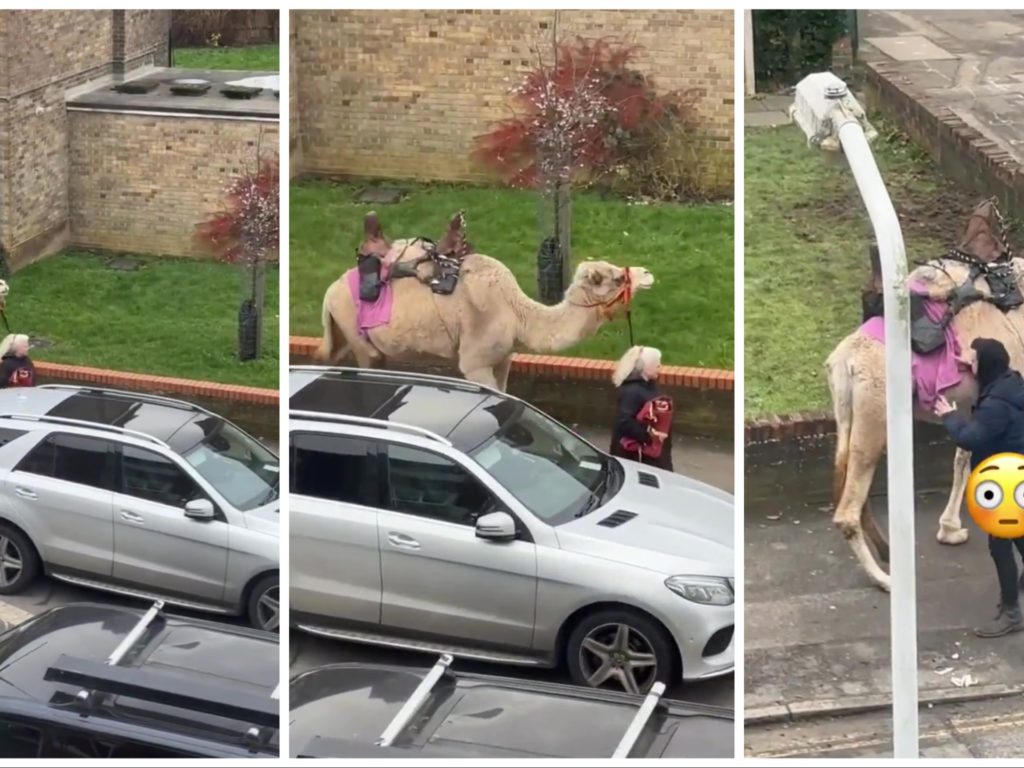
column 943, row 407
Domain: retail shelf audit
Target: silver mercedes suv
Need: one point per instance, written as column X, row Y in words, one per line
column 434, row 514
column 144, row 496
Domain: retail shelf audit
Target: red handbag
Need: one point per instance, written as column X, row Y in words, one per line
column 656, row 413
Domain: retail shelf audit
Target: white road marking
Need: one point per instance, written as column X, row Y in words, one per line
column 12, row 615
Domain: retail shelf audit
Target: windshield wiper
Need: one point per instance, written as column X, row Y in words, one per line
column 596, row 497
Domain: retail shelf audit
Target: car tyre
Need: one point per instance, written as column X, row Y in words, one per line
column 19, row 561
column 620, row 649
column 264, row 603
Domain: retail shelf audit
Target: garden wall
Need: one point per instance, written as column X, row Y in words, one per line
column 42, row 55
column 142, row 182
column 402, row 93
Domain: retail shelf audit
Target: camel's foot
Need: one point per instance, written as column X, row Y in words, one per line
column 883, row 583
column 950, row 535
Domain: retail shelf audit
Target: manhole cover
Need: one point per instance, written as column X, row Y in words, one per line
column 40, row 342
column 383, row 195
column 124, row 264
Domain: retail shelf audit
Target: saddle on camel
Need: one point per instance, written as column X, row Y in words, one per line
column 980, row 269
column 376, row 268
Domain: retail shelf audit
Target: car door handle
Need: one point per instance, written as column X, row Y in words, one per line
column 25, row 493
column 402, row 541
column 131, row 517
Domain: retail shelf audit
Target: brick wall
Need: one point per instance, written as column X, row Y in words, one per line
column 402, row 93
column 146, row 37
column 44, row 53
column 294, row 126
column 142, row 183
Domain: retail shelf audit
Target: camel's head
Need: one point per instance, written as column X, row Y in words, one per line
column 985, row 235
column 454, row 242
column 606, row 286
column 374, row 243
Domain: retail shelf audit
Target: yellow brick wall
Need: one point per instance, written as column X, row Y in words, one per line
column 142, row 183
column 403, row 93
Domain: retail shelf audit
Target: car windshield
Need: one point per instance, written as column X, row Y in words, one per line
column 242, row 470
column 554, row 473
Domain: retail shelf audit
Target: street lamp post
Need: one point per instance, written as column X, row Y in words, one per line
column 832, row 119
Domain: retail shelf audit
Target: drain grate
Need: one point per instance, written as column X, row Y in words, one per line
column 382, row 195
column 124, row 264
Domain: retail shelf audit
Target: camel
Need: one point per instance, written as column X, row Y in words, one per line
column 482, row 322
column 856, row 377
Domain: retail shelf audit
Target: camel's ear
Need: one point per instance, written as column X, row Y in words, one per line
column 372, row 229
column 458, row 222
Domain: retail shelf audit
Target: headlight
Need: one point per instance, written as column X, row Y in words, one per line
column 706, row 590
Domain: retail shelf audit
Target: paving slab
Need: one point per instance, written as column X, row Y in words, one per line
column 955, row 81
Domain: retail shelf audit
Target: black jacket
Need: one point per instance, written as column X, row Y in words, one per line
column 634, row 393
column 997, row 423
column 16, row 372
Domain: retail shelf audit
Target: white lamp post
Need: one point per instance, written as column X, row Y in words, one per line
column 832, row 119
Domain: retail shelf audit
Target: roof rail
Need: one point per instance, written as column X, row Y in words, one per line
column 141, row 396
column 381, row 373
column 43, row 419
column 415, row 701
column 341, row 418
column 629, row 738
column 162, row 687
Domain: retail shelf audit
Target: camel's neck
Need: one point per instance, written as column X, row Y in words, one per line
column 553, row 329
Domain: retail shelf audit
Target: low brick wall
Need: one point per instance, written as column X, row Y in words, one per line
column 704, row 398
column 142, row 182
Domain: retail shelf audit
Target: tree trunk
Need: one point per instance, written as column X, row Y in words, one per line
column 563, row 228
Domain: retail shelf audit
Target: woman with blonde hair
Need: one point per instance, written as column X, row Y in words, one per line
column 643, row 430
column 16, row 369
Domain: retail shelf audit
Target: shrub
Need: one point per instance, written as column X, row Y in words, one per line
column 791, row 44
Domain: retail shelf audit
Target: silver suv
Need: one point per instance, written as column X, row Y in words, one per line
column 144, row 496
column 437, row 515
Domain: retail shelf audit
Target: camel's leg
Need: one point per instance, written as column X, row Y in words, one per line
column 874, row 533
column 501, row 371
column 481, row 375
column 950, row 529
column 860, row 471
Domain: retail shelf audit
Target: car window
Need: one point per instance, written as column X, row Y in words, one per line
column 150, row 476
column 74, row 458
column 430, row 485
column 19, row 740
column 238, row 466
column 7, row 434
column 335, row 468
column 85, row 745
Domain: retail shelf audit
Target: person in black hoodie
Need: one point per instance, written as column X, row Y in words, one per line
column 995, row 426
column 16, row 369
column 635, row 377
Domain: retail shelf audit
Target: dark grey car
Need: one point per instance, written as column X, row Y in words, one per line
column 370, row 710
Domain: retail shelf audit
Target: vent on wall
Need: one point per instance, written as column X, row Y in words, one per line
column 616, row 519
column 646, row 478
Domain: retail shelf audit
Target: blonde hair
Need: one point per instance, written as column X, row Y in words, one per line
column 634, row 361
column 10, row 340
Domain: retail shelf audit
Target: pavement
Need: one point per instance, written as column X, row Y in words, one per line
column 817, row 633
column 703, row 460
column 968, row 62
column 766, row 111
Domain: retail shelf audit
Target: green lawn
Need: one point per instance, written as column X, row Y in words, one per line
column 806, row 240
column 689, row 248
column 255, row 57
column 172, row 317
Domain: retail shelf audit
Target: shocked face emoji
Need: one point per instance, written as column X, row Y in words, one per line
column 995, row 495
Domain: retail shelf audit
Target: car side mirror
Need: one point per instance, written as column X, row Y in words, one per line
column 496, row 526
column 200, row 509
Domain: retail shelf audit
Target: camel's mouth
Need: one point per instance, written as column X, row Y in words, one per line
column 640, row 278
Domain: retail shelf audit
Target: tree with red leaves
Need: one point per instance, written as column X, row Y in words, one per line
column 246, row 232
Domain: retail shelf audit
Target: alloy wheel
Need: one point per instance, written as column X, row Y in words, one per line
column 620, row 654
column 11, row 562
column 268, row 609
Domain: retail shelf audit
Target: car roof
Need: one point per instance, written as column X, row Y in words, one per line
column 459, row 411
column 240, row 663
column 356, row 702
column 175, row 422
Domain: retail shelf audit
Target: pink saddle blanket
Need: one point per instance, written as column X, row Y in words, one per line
column 935, row 372
column 370, row 314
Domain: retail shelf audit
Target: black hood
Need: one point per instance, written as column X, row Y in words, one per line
column 993, row 361
column 1009, row 388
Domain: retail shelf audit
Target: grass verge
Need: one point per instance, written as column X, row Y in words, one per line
column 688, row 313
column 171, row 317
column 254, row 57
column 806, row 237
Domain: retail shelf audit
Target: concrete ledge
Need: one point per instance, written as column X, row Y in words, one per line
column 788, row 426
column 234, row 393
column 578, row 368
column 851, row 705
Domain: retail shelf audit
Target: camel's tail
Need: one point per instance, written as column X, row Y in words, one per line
column 328, row 353
column 840, row 384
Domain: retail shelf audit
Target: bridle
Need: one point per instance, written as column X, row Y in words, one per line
column 623, row 296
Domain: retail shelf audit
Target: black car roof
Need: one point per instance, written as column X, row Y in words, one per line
column 346, row 708
column 462, row 413
column 237, row 662
column 179, row 425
